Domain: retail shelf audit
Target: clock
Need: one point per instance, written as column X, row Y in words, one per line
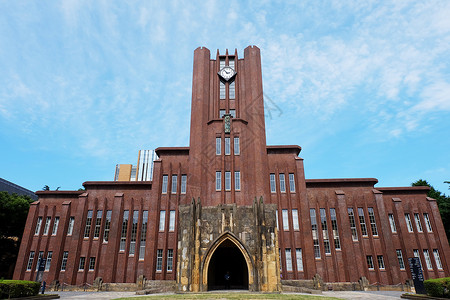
column 227, row 73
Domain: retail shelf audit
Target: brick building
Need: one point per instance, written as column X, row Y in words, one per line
column 229, row 203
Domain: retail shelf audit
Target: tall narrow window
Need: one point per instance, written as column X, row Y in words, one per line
column 183, row 184
column 369, row 262
column 227, row 180
column 172, row 220
column 134, row 227
column 427, row 222
column 351, row 218
column 287, row 251
column 169, row 260
column 70, row 227
column 49, row 260
column 233, row 113
column 326, row 239
column 273, row 188
column 426, row 254
column 64, row 260
column 143, row 235
column 362, row 221
column 315, row 232
column 123, row 234
column 380, row 262
column 164, row 184
column 291, row 183
column 159, row 257
column 373, row 224
column 222, row 90
column 400, row 259
column 284, row 213
column 98, row 223
column 87, row 229
column 437, row 259
column 276, row 217
column 418, row 224
column 392, row 223
column 416, row 254
column 174, row 184
column 40, row 257
column 162, row 220
column 38, row 226
column 91, row 263
column 55, row 226
column 295, row 219
column 82, row 262
column 334, row 227
column 298, row 254
column 218, row 180
column 236, row 146
column 30, row 261
column 408, row 222
column 222, row 113
column 232, row 91
column 107, row 226
column 227, row 146
column 221, row 63
column 282, row 183
column 47, row 225
column 218, row 145
column 237, row 180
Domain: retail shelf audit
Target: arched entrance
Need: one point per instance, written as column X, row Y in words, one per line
column 227, row 259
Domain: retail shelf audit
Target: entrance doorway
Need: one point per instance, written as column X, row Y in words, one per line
column 227, row 260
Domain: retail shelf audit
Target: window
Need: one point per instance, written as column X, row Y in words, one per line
column 64, row 260
column 334, row 227
column 291, row 183
column 416, row 254
column 369, row 262
column 81, row 265
column 326, row 239
column 98, row 223
column 169, row 260
column 164, row 184
column 276, row 216
column 298, row 254
column 174, row 184
column 227, row 146
column 282, row 183
column 218, row 180
column 47, row 225
column 221, row 62
column 123, row 234
column 287, row 251
column 373, row 224
column 295, row 219
column 107, row 226
column 70, row 227
column 227, row 181
column 401, row 263
column 392, row 223
column 315, row 232
column 172, row 220
column 40, row 257
column 30, row 261
column 162, row 220
column 159, row 257
column 134, row 227
column 232, row 111
column 49, row 260
column 38, row 226
column 221, row 112
column 427, row 222
column 87, row 229
column 437, row 259
column 143, row 235
column 183, row 184
column 55, row 226
column 408, row 223
column 362, row 221
column 237, row 180
column 222, row 90
column 232, row 91
column 418, row 224
column 91, row 263
column 426, row 254
column 133, row 173
column 236, row 146
column 284, row 213
column 351, row 218
column 380, row 262
column 273, row 188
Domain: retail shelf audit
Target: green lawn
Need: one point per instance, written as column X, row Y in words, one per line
column 231, row 296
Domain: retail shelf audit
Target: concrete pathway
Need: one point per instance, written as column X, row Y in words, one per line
column 382, row 295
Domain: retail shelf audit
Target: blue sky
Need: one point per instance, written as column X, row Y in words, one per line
column 362, row 86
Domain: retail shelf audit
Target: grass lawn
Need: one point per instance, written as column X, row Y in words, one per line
column 231, row 296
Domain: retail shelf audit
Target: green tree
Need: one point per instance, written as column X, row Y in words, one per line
column 443, row 203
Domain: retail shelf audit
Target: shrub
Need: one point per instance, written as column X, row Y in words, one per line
column 439, row 287
column 18, row 288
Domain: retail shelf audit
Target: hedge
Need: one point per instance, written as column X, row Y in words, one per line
column 439, row 287
column 18, row 288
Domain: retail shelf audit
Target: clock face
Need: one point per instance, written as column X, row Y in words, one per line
column 227, row 73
